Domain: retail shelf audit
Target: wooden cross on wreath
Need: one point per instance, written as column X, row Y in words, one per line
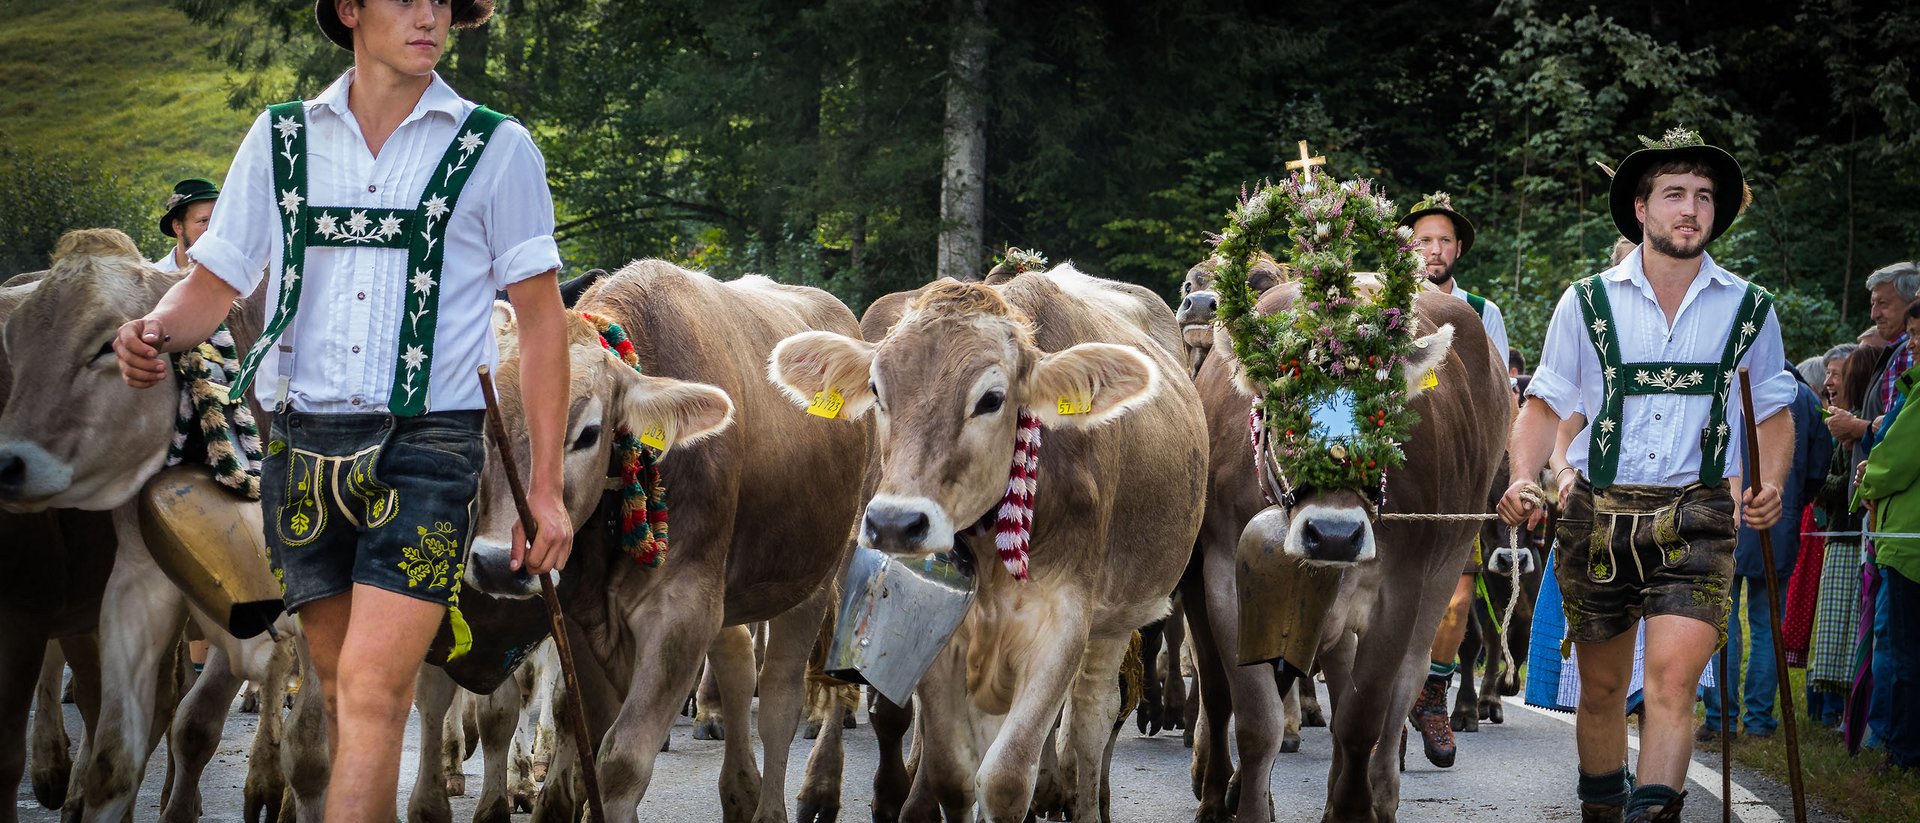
column 1306, row 162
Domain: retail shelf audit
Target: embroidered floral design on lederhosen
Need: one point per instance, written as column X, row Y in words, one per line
column 421, row 231
column 1619, row 380
column 347, row 481
column 433, row 561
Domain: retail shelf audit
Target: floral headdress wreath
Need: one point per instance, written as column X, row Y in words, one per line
column 1019, row 260
column 1332, row 398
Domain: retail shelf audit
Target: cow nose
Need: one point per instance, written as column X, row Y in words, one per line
column 1331, row 540
column 895, row 528
column 13, row 474
column 1196, row 308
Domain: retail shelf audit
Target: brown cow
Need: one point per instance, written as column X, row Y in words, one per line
column 760, row 522
column 1117, row 504
column 1198, row 301
column 1395, row 577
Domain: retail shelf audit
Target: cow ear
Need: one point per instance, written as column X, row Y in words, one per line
column 503, row 317
column 1223, row 349
column 812, row 366
column 666, row 412
column 1090, row 384
column 1428, row 353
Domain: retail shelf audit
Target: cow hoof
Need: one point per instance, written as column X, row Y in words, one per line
column 810, row 731
column 848, row 721
column 710, row 729
column 811, row 813
column 1146, row 720
column 522, row 802
column 50, row 783
column 1465, row 720
column 1290, row 745
column 1312, row 718
column 1493, row 713
column 1186, row 738
column 495, row 812
column 1173, row 717
column 539, row 771
column 262, row 802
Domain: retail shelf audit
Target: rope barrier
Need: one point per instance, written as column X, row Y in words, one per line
column 1532, row 495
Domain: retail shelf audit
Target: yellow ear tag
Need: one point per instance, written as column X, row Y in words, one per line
column 654, row 435
column 1431, row 380
column 826, row 404
column 1075, row 404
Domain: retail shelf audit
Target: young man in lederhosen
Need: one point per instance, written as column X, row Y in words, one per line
column 387, row 211
column 1443, row 236
column 1649, row 350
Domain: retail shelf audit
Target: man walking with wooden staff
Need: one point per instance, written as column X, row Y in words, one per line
column 386, row 213
column 1645, row 355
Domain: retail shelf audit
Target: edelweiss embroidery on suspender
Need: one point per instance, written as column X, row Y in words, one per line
column 421, row 231
column 1620, row 380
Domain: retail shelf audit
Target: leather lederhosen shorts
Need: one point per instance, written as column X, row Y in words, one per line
column 1629, row 552
column 372, row 499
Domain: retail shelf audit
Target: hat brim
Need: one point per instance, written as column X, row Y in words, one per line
column 1462, row 227
column 166, row 220
column 1728, row 186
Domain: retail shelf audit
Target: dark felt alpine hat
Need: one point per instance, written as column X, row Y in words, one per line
column 1441, row 202
column 1680, row 144
column 188, row 191
column 466, row 14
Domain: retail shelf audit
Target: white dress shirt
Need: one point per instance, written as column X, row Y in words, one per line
column 1660, row 442
column 346, row 334
column 166, row 263
column 1492, row 320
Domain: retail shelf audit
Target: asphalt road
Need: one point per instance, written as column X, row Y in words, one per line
column 1522, row 770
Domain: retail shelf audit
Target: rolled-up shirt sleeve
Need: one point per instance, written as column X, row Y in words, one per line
column 1554, row 379
column 240, row 235
column 520, row 212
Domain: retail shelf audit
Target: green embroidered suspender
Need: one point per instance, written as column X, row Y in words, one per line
column 1620, row 380
column 1478, row 303
column 421, row 231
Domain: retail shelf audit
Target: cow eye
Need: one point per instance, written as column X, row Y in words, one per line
column 989, row 403
column 588, row 437
column 1186, row 287
column 874, row 389
column 106, row 350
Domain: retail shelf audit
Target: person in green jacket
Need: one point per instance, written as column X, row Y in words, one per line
column 1890, row 486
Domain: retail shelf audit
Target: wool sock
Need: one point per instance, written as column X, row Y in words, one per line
column 1443, row 671
column 1650, row 796
column 1611, row 788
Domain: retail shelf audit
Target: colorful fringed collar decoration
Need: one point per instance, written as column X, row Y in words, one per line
column 1013, row 519
column 229, row 436
column 643, row 491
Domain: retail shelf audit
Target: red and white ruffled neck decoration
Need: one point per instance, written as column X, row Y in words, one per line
column 1013, row 521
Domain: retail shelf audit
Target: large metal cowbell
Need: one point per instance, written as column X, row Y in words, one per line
column 896, row 615
column 209, row 542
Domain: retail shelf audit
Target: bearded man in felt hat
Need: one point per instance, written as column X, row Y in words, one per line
column 391, row 210
column 1643, row 358
column 1443, row 236
column 185, row 218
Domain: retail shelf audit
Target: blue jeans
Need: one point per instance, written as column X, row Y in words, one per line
column 1880, row 704
column 1762, row 680
column 1824, row 707
column 1903, row 650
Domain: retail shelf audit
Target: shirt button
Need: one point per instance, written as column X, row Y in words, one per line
column 1649, row 455
column 361, row 296
column 371, row 188
column 1656, row 417
column 356, row 349
column 356, row 401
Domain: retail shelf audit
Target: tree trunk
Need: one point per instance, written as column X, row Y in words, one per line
column 963, row 195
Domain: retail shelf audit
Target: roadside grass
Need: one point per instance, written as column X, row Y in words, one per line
column 1846, row 785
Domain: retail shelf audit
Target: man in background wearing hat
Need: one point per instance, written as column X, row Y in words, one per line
column 185, row 219
column 1442, row 236
column 386, row 212
column 1643, row 356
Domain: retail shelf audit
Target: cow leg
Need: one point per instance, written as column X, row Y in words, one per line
column 1147, row 716
column 1479, row 637
column 561, row 796
column 499, row 713
column 1173, row 695
column 1212, row 767
column 141, row 614
column 1290, row 714
column 196, row 733
column 305, row 762
column 708, row 721
column 83, row 658
column 730, row 664
column 1006, row 774
column 945, row 758
column 52, row 755
column 1309, row 695
column 819, row 798
column 21, row 653
column 266, row 782
column 890, row 722
column 1093, row 706
column 790, row 639
column 668, row 639
column 1256, row 705
column 434, row 695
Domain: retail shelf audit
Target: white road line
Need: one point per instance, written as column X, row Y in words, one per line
column 1747, row 806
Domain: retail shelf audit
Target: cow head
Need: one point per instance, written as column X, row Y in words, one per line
column 606, row 395
column 1335, row 526
column 73, row 434
column 1198, row 301
column 946, row 386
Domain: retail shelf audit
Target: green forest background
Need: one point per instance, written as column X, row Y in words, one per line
column 803, row 138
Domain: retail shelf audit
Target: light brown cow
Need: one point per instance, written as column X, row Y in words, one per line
column 760, row 521
column 1116, row 508
column 1198, row 301
column 1394, row 577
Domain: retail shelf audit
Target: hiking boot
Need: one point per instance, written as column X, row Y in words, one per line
column 1669, row 813
column 1602, row 812
column 1708, row 736
column 1429, row 715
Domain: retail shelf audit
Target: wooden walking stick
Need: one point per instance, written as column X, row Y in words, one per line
column 1726, row 729
column 1774, row 607
column 582, row 740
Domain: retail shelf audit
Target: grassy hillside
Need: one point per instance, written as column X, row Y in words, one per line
column 117, row 89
